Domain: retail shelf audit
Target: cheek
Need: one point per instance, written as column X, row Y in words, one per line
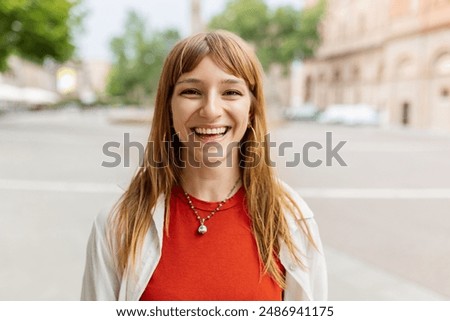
column 177, row 112
column 243, row 121
column 244, row 114
column 180, row 117
column 178, row 122
column 175, row 118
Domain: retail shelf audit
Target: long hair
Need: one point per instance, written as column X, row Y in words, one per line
column 266, row 199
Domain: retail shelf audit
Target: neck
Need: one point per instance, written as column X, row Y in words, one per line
column 210, row 184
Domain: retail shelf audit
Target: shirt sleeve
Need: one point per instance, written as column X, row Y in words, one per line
column 317, row 265
column 100, row 280
column 309, row 282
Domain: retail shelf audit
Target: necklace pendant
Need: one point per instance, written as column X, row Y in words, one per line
column 202, row 229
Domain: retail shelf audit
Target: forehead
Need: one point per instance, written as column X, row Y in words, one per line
column 208, row 69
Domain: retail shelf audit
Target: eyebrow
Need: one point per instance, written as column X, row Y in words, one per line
column 196, row 81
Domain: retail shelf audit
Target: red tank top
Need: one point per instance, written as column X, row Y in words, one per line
column 221, row 265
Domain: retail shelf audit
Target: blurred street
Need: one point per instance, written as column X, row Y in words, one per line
column 384, row 218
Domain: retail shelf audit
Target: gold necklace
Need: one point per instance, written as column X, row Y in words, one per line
column 202, row 229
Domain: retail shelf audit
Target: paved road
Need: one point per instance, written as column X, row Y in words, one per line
column 385, row 214
column 383, row 218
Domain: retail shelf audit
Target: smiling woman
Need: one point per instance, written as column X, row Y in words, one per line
column 193, row 229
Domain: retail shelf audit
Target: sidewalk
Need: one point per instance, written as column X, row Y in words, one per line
column 352, row 279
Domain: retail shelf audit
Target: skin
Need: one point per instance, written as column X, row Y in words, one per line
column 209, row 98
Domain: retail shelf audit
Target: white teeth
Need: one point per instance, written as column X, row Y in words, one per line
column 210, row 131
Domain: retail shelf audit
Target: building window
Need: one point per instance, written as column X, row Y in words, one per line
column 405, row 113
column 380, row 72
column 308, row 89
column 442, row 64
column 321, row 77
column 355, row 73
column 337, row 76
column 405, row 69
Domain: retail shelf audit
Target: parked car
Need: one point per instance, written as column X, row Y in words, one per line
column 352, row 115
column 303, row 112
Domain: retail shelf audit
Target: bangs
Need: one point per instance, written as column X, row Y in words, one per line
column 189, row 53
column 226, row 50
column 234, row 56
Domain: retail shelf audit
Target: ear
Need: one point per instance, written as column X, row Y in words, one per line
column 250, row 120
column 251, row 114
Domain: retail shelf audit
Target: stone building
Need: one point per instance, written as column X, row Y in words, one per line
column 25, row 83
column 391, row 54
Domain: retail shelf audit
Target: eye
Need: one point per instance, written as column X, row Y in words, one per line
column 190, row 92
column 232, row 92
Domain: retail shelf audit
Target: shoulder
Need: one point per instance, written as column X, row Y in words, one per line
column 102, row 219
column 307, row 213
column 100, row 227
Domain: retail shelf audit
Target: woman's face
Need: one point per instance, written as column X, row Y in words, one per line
column 210, row 110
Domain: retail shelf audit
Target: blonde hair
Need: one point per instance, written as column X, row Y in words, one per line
column 266, row 199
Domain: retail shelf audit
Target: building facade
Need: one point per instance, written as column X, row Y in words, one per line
column 391, row 54
column 27, row 84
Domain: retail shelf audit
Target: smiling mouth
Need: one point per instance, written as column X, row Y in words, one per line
column 210, row 133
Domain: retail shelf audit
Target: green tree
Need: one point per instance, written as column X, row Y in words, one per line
column 138, row 58
column 309, row 28
column 248, row 18
column 38, row 29
column 280, row 36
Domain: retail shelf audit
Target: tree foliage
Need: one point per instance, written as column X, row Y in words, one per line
column 280, row 35
column 138, row 59
column 38, row 29
column 248, row 18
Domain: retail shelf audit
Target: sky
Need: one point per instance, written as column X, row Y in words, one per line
column 106, row 18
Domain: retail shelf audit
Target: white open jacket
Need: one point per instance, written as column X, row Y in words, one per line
column 101, row 281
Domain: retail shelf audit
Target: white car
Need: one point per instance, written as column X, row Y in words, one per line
column 358, row 114
column 303, row 112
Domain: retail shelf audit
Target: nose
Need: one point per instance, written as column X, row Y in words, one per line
column 211, row 107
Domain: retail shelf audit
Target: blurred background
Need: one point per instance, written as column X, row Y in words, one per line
column 75, row 75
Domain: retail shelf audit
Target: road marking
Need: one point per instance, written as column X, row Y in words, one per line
column 334, row 193
column 58, row 186
column 375, row 193
column 374, row 148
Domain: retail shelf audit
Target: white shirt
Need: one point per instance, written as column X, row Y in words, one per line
column 101, row 280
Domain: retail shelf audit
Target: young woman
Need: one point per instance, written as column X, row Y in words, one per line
column 205, row 218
